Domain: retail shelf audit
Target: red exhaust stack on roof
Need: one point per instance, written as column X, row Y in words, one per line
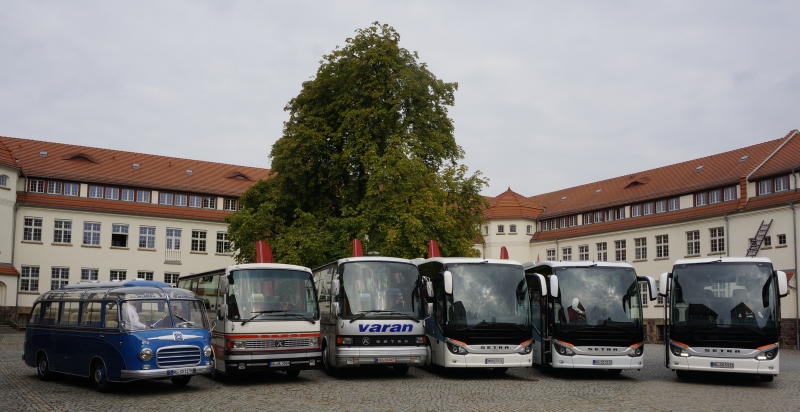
column 263, row 252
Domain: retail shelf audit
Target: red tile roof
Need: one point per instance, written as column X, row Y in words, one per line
column 772, row 200
column 786, row 159
column 89, row 164
column 8, row 270
column 721, row 169
column 117, row 206
column 512, row 205
column 6, row 158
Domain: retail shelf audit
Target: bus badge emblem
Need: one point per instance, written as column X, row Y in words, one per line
column 365, row 341
column 279, row 343
column 177, row 336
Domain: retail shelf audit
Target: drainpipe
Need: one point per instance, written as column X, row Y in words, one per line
column 557, row 259
column 13, row 243
column 727, row 236
column 796, row 280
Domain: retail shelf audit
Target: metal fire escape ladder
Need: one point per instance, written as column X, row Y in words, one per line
column 755, row 244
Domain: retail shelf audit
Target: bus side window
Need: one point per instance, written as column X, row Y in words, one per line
column 207, row 291
column 69, row 315
column 185, row 284
column 111, row 315
column 91, row 314
column 51, row 313
column 36, row 314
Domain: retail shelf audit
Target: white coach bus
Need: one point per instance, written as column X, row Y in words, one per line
column 723, row 315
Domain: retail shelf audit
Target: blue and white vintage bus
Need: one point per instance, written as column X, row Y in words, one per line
column 119, row 331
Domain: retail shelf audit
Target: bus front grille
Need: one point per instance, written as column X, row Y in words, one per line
column 278, row 343
column 176, row 356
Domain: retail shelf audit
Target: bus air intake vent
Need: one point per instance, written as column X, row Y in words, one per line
column 176, row 356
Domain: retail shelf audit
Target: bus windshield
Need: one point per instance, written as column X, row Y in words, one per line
column 271, row 294
column 380, row 286
column 488, row 293
column 724, row 294
column 597, row 296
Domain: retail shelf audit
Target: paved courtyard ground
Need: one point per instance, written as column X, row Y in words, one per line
column 529, row 389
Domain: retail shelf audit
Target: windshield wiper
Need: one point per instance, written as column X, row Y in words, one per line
column 257, row 314
column 366, row 312
column 297, row 315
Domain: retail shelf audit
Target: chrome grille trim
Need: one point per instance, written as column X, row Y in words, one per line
column 177, row 356
column 269, row 344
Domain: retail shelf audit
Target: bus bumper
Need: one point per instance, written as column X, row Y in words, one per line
column 487, row 360
column 128, row 374
column 245, row 362
column 351, row 357
column 740, row 365
column 597, row 362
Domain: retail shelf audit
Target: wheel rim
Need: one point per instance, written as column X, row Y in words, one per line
column 43, row 366
column 325, row 361
column 99, row 375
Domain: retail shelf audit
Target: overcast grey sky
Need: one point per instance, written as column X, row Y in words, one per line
column 551, row 95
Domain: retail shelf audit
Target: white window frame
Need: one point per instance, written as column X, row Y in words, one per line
column 3, row 180
column 199, row 238
column 230, row 204
column 636, row 210
column 128, row 195
column 501, row 229
column 92, row 229
column 512, row 228
column 143, row 196
column 90, row 274
column 598, row 217
column 59, row 276
column 147, row 237
column 209, row 202
column 583, row 252
column 765, row 187
column 36, row 186
column 165, row 198
column 54, row 187
column 144, row 274
column 29, row 279
column 551, row 255
column 621, row 250
column 223, row 243
column 112, row 193
column 640, row 248
column 781, row 240
column 587, row 219
column 781, row 184
column 714, row 196
column 196, row 201
column 716, row 237
column 648, row 209
column 674, row 204
column 693, row 242
column 95, row 192
column 662, row 246
column 566, row 253
column 180, row 200
column 173, row 238
column 729, row 194
column 72, row 189
column 171, row 277
column 602, row 251
column 529, row 229
column 32, row 229
column 644, row 295
column 62, row 231
column 120, row 229
column 117, row 274
column 701, row 199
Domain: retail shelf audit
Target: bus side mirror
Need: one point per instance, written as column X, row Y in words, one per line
column 783, row 284
column 554, row 286
column 651, row 286
column 429, row 288
column 448, row 282
column 335, row 288
column 662, row 284
column 222, row 311
column 430, row 310
column 335, row 308
column 223, row 284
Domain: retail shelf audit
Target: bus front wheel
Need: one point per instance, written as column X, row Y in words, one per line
column 100, row 377
column 500, row 371
column 43, row 368
column 326, row 363
column 615, row 371
column 181, row 380
column 683, row 375
column 767, row 378
column 400, row 369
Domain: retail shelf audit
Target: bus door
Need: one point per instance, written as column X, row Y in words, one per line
column 538, row 295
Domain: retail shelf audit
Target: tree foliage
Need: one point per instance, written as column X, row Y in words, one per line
column 368, row 153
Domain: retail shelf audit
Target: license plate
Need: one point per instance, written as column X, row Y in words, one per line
column 601, row 362
column 182, row 371
column 281, row 363
column 494, row 361
column 384, row 360
column 722, row 365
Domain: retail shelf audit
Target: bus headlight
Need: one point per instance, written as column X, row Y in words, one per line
column 421, row 340
column 313, row 342
column 207, row 352
column 563, row 348
column 638, row 349
column 679, row 349
column 456, row 347
column 146, row 354
column 237, row 344
column 527, row 347
column 344, row 341
column 768, row 352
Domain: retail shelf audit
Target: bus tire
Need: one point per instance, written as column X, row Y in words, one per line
column 43, row 368
column 615, row 371
column 767, row 378
column 500, row 371
column 181, row 381
column 400, row 369
column 326, row 363
column 217, row 375
column 99, row 377
column 683, row 375
column 293, row 373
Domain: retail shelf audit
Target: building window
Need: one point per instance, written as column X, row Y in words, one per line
column 602, row 252
column 598, row 217
column 587, row 219
column 209, row 202
column 573, row 221
column 609, row 215
column 230, row 204
column 662, row 246
column 621, row 253
column 59, row 277
column 89, row 274
column 717, row 236
column 661, row 206
column 180, row 200
column 781, row 240
column 3, row 180
column 765, row 187
column 119, row 235
column 195, row 201
column 566, row 253
column 512, row 228
column 173, row 239
column 54, row 188
column 551, row 254
column 636, row 210
column 640, row 245
column 563, row 222
column 545, row 225
column 144, row 275
column 674, row 204
column 223, row 244
column 554, row 224
column 644, row 295
column 501, row 229
column 118, row 274
column 767, row 241
column 128, row 195
column 659, row 299
column 91, row 233
column 62, row 232
column 620, row 213
column 714, row 196
column 143, row 196
column 37, row 186
column 165, row 198
column 32, row 229
column 147, row 237
column 96, row 192
column 701, row 199
column 72, row 189
column 171, row 278
column 583, row 252
column 647, row 209
column 781, row 183
column 112, row 193
column 29, row 279
column 730, row 193
column 198, row 241
column 693, row 242
column 528, row 229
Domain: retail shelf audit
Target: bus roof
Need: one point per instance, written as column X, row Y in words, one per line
column 722, row 259
column 113, row 284
column 248, row 266
column 370, row 259
column 577, row 263
column 447, row 260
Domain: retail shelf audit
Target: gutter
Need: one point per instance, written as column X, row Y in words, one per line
column 796, row 280
column 727, row 236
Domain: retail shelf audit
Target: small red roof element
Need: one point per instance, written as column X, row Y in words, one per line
column 433, row 249
column 503, row 253
column 358, row 250
column 263, row 252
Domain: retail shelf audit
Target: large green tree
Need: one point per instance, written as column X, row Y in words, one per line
column 368, row 153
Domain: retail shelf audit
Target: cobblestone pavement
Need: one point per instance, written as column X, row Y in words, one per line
column 652, row 389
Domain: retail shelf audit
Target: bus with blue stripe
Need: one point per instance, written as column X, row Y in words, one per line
column 119, row 331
